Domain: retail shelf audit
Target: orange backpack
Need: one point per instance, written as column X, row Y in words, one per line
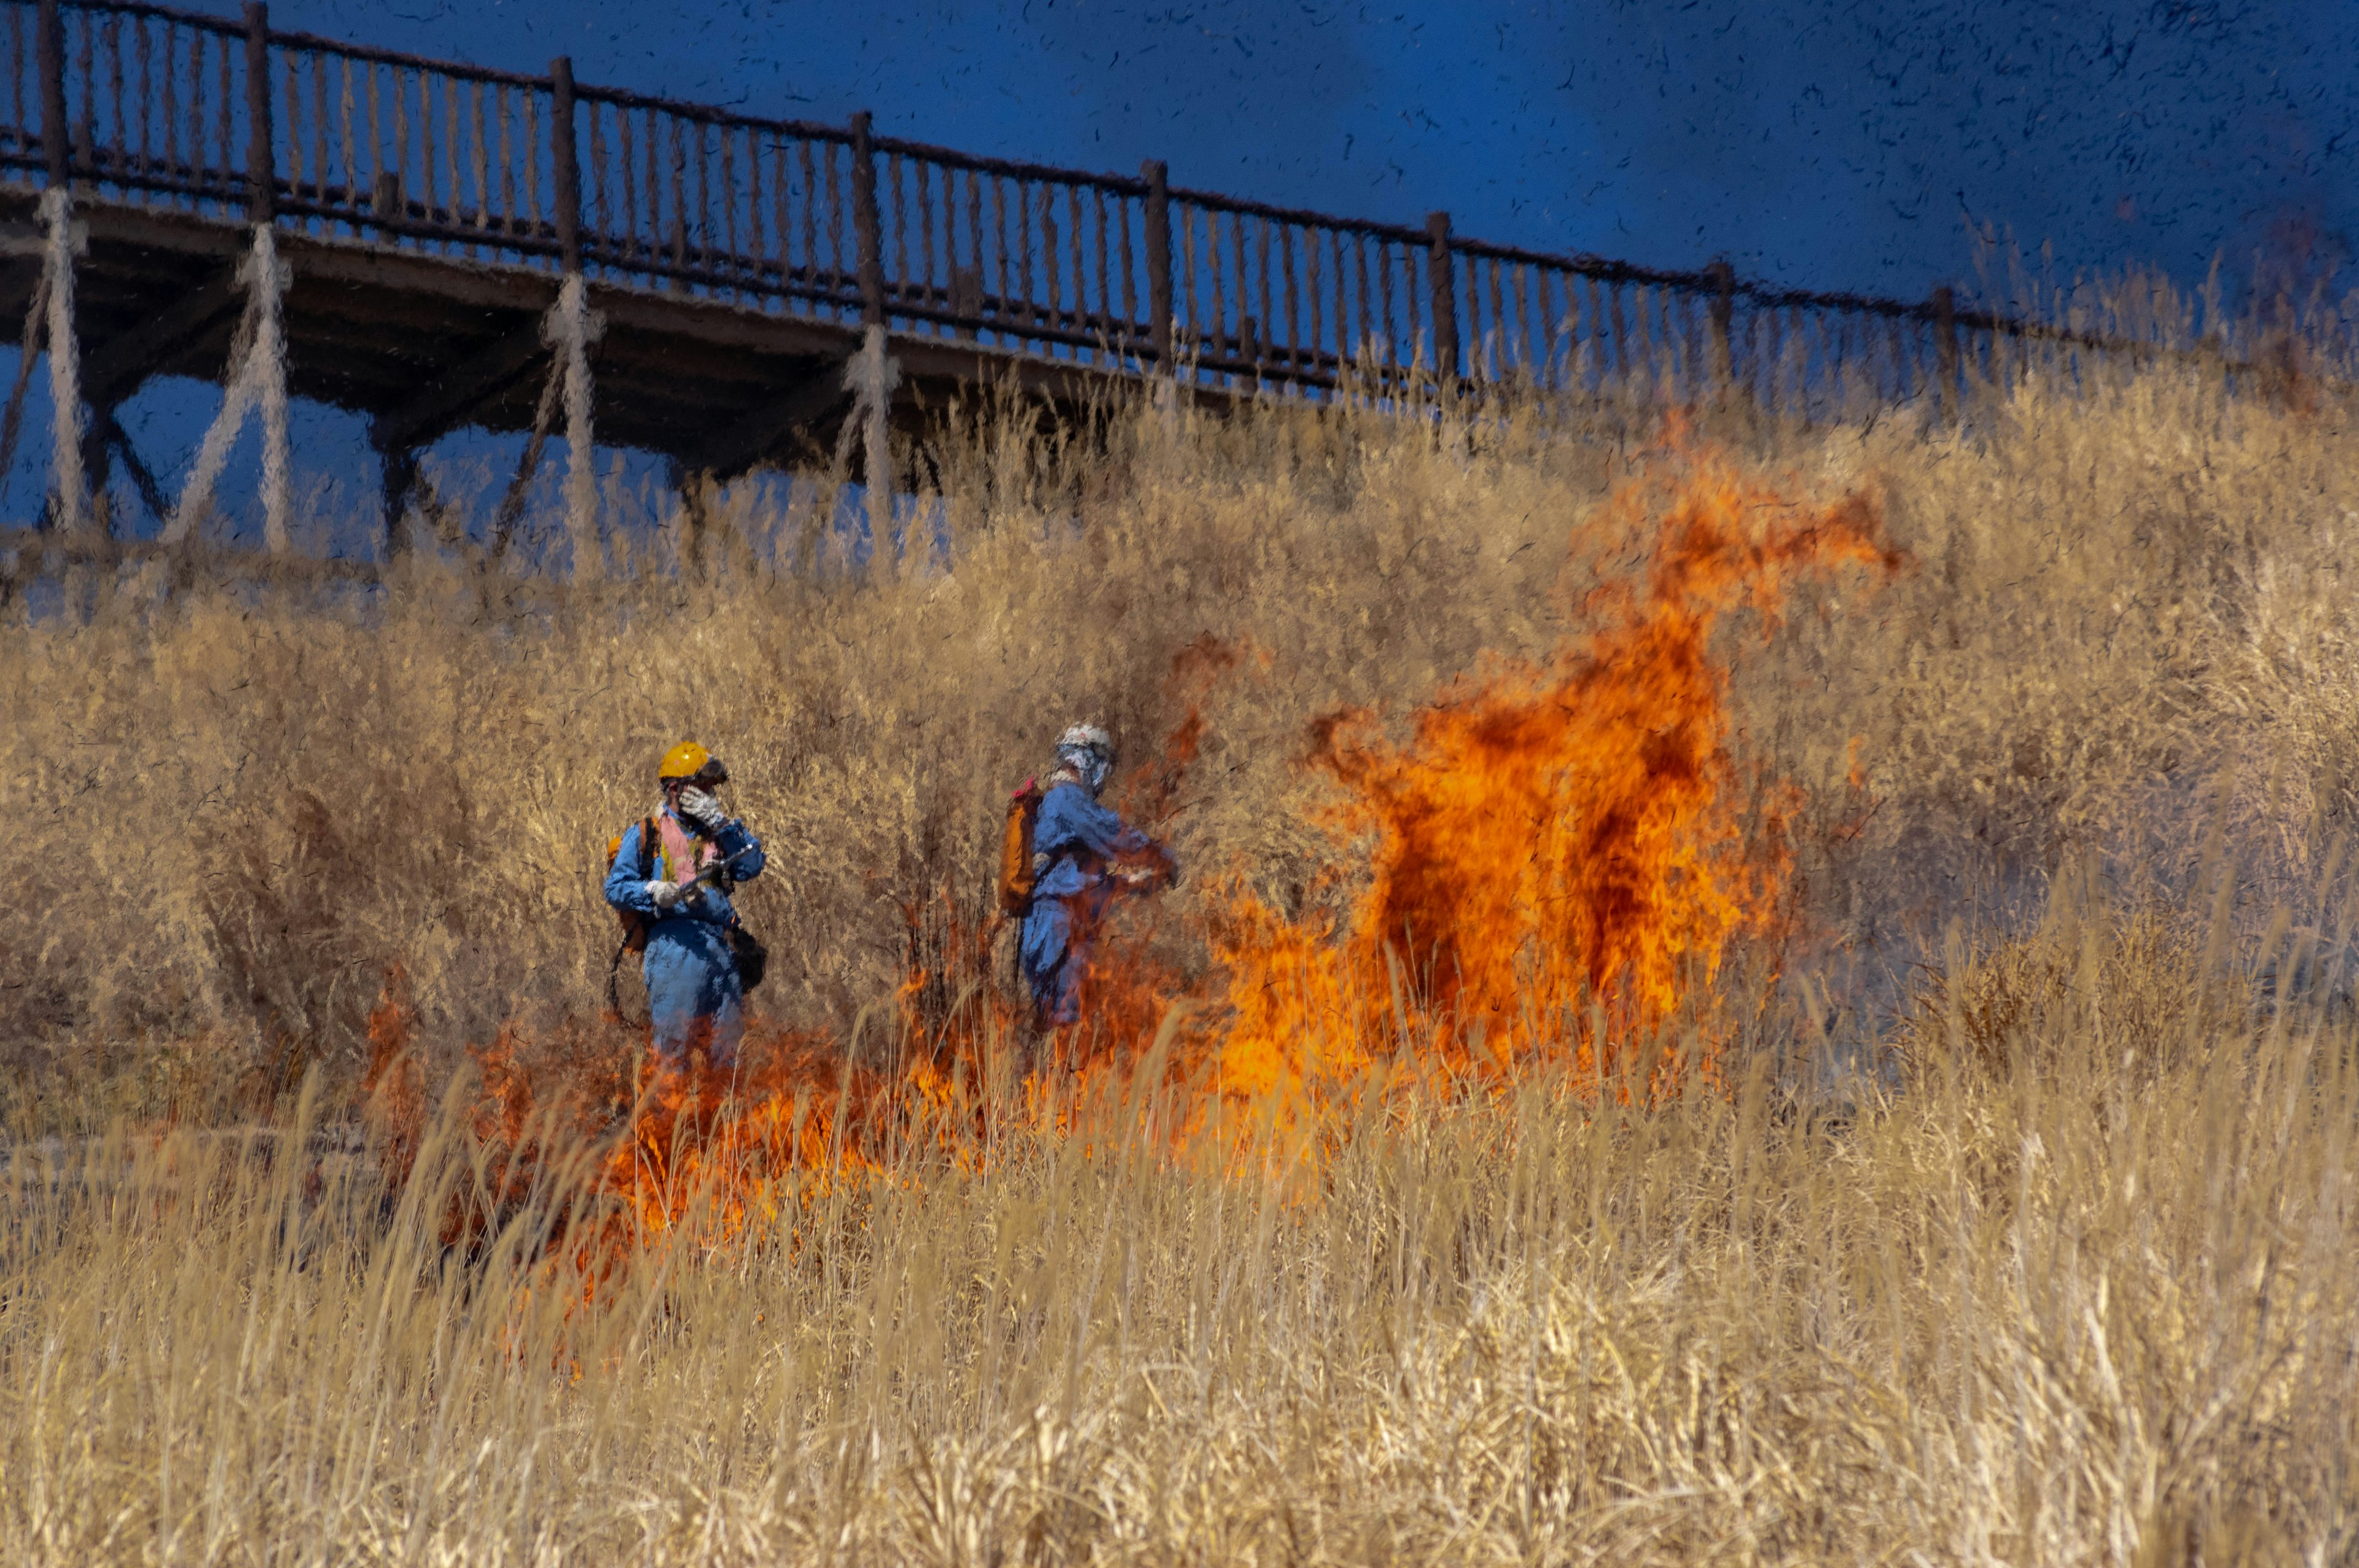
column 1016, row 875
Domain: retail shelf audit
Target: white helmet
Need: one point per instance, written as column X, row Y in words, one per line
column 1088, row 750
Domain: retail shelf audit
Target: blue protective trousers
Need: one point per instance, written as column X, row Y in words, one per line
column 694, row 996
column 1055, row 957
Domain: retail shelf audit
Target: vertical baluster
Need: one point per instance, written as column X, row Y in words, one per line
column 400, row 189
column 1511, row 296
column 1389, row 334
column 1497, row 352
column 455, row 197
column 678, row 186
column 1415, row 302
column 811, row 213
column 733, row 257
column 120, row 142
column 757, row 249
column 975, row 242
column 1468, row 307
column 1009, row 301
column 375, row 162
column 1197, row 339
column 1342, row 334
column 1076, row 239
column 901, row 277
column 1643, row 357
column 647, row 205
column 705, row 236
column 1244, row 344
column 319, row 129
column 145, row 48
column 1624, row 359
column 839, row 275
column 1026, row 306
column 481, row 159
column 1054, row 239
column 1103, row 317
column 429, row 197
column 1128, row 263
column 1264, row 242
column 1218, row 340
column 783, row 216
column 294, row 125
column 1307, row 346
column 530, row 137
column 501, row 110
column 171, row 108
column 225, row 163
column 344, row 122
column 1440, row 275
column 624, row 150
column 601, row 212
column 925, row 246
column 1354, row 339
column 16, row 74
column 1588, row 364
column 85, row 131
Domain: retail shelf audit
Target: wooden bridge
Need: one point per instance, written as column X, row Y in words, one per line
column 428, row 213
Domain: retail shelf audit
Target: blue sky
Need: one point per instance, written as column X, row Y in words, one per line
column 1839, row 146
column 1856, row 145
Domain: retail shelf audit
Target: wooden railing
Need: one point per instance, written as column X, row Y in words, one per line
column 145, row 105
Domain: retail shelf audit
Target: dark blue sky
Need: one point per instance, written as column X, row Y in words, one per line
column 1825, row 144
column 1830, row 145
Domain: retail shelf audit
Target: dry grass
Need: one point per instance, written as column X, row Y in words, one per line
column 2067, row 1279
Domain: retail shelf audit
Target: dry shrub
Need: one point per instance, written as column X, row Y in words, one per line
column 2117, row 631
column 2134, row 988
column 2073, row 1284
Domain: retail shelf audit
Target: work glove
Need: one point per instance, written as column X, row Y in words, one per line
column 699, row 806
column 667, row 895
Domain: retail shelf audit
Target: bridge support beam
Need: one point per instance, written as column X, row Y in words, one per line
column 573, row 329
column 65, row 362
column 259, row 381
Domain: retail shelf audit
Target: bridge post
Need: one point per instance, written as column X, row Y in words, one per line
column 873, row 375
column 868, row 228
column 57, row 213
column 1444, row 287
column 261, row 171
column 568, row 162
column 1724, row 316
column 1945, row 347
column 1159, row 261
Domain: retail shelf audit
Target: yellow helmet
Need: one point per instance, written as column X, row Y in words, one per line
column 690, row 761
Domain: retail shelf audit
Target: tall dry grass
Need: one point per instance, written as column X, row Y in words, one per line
column 2057, row 1267
column 2081, row 1292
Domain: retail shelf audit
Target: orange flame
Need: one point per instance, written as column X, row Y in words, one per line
column 1563, row 852
column 1559, row 859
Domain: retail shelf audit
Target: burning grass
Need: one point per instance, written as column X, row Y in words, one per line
column 1494, row 1148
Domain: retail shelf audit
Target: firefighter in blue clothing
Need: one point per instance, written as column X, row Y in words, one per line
column 680, row 886
column 1083, row 855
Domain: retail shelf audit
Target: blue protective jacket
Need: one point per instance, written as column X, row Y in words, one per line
column 694, row 993
column 626, row 889
column 1076, row 836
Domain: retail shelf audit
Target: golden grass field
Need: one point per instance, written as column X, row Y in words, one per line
column 1991, row 1196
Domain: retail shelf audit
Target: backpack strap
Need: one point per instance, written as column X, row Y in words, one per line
column 646, row 848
